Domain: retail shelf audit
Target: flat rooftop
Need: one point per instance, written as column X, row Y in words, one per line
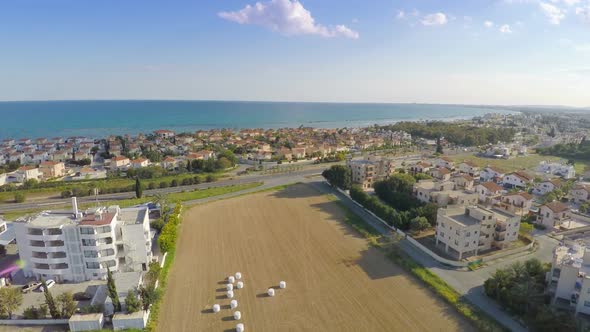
column 132, row 215
column 47, row 219
column 458, row 215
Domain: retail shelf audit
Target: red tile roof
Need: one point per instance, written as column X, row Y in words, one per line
column 90, row 220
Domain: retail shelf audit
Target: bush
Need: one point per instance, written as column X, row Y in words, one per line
column 19, row 197
column 33, row 312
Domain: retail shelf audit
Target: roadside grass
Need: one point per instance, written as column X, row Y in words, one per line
column 104, row 184
column 173, row 197
column 393, row 252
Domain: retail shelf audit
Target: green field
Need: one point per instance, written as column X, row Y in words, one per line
column 529, row 162
column 174, row 197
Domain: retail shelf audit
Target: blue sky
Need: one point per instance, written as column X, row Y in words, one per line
column 477, row 52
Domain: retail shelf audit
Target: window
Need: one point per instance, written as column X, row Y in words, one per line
column 86, row 230
column 92, row 265
column 90, row 253
column 88, row 242
column 468, row 234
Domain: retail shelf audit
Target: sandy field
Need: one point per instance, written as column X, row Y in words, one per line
column 335, row 281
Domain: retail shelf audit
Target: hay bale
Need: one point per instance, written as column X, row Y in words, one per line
column 229, row 287
column 283, row 285
column 240, row 327
column 216, row 308
column 237, row 315
column 233, row 304
column 238, row 276
column 230, row 294
column 271, row 292
column 231, row 279
column 239, row 285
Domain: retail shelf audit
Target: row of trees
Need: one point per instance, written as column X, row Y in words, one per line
column 570, row 151
column 169, row 234
column 520, row 288
column 455, row 133
column 339, row 176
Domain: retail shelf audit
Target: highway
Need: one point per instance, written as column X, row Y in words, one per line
column 269, row 180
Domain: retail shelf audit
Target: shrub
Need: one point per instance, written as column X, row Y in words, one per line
column 19, row 197
column 33, row 312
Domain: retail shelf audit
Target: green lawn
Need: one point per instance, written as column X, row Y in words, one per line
column 174, row 197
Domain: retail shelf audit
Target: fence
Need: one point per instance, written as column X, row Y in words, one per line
column 509, row 252
column 409, row 238
column 20, row 322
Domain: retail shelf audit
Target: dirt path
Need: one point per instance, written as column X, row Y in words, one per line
column 335, row 281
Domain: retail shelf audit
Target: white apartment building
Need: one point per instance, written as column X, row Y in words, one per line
column 443, row 193
column 467, row 230
column 366, row 172
column 568, row 280
column 78, row 246
column 565, row 171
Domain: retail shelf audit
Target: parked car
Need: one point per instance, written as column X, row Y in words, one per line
column 50, row 283
column 30, row 286
column 82, row 296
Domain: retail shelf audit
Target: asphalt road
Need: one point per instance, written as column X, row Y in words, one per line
column 272, row 179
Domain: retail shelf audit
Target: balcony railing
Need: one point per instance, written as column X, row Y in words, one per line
column 55, row 244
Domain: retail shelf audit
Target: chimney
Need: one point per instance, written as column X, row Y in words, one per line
column 75, row 206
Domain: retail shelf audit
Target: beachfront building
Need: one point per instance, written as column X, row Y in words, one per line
column 366, row 172
column 77, row 246
column 569, row 278
column 469, row 230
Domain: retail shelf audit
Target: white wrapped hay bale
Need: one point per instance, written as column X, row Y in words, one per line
column 240, row 327
column 231, row 279
column 239, row 285
column 237, row 315
column 238, row 276
column 229, row 287
column 216, row 308
column 271, row 292
column 233, row 304
column 283, row 285
column 230, row 294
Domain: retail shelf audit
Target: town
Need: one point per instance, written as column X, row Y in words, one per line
column 469, row 195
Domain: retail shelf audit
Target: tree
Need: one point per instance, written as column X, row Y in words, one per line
column 419, row 224
column 439, row 148
column 138, row 188
column 67, row 304
column 189, row 166
column 49, row 301
column 132, row 303
column 19, row 197
column 339, row 176
column 149, row 295
column 10, row 299
column 113, row 291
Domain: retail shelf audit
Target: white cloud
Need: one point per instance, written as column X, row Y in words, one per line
column 553, row 13
column 505, row 29
column 434, row 19
column 288, row 17
column 488, row 24
column 571, row 2
column 584, row 13
column 400, row 15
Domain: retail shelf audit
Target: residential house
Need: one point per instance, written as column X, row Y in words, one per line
column 553, row 214
column 39, row 157
column 139, row 163
column 163, row 133
column 463, row 181
column 169, row 163
column 3, row 179
column 517, row 180
column 443, row 193
column 488, row 191
column 546, row 186
column 52, row 169
column 61, row 156
column 366, row 172
column 120, row 162
column 441, row 173
column 519, row 202
column 25, row 173
column 470, row 229
column 420, row 167
column 444, row 162
column 559, row 169
column 470, row 168
column 491, row 173
column 17, row 157
column 581, row 192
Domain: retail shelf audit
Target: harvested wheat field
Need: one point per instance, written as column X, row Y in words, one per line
column 335, row 281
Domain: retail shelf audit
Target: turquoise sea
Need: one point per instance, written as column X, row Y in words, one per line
column 101, row 118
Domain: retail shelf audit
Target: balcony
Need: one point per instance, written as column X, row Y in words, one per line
column 56, row 243
column 39, row 244
column 41, row 255
column 35, row 231
column 54, row 231
column 41, row 266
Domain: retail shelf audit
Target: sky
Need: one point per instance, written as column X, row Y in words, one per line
column 509, row 52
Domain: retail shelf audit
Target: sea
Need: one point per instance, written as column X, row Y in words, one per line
column 95, row 119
